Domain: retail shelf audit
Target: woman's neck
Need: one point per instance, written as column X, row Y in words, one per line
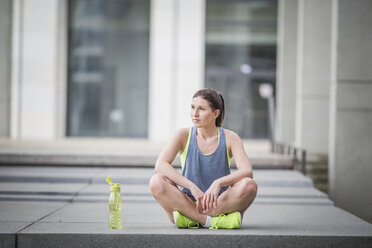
column 207, row 132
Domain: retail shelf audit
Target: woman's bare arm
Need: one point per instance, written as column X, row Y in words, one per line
column 166, row 157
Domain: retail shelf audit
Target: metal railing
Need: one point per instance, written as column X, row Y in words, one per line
column 283, row 148
column 267, row 92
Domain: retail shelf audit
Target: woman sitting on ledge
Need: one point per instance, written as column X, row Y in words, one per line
column 206, row 193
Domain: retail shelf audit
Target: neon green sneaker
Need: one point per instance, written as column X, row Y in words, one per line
column 184, row 222
column 228, row 221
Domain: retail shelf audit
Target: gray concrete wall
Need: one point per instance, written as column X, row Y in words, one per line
column 286, row 73
column 351, row 140
column 313, row 75
column 5, row 49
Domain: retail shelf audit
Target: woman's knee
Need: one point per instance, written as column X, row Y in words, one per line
column 157, row 184
column 248, row 187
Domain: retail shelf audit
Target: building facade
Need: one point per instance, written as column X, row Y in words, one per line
column 129, row 69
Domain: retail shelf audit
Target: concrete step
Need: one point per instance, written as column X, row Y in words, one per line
column 322, row 187
column 129, row 176
column 259, row 161
column 98, row 152
column 319, row 178
column 317, row 168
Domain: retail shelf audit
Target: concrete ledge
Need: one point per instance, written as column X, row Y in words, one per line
column 190, row 240
column 266, row 161
column 7, row 240
column 8, row 230
column 92, row 152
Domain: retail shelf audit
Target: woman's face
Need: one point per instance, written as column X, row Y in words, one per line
column 201, row 113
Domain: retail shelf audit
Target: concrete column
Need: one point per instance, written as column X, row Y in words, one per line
column 351, row 107
column 176, row 63
column 286, row 72
column 313, row 75
column 162, row 68
column 35, row 71
column 5, row 45
column 190, row 57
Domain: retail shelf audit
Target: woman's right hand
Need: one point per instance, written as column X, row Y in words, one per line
column 198, row 195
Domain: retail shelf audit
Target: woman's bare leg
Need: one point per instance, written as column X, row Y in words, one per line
column 171, row 198
column 238, row 197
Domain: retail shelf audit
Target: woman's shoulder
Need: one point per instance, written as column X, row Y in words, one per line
column 231, row 136
column 230, row 133
column 182, row 134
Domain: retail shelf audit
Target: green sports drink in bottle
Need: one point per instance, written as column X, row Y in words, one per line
column 115, row 204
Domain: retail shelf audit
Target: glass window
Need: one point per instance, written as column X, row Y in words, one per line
column 108, row 68
column 240, row 55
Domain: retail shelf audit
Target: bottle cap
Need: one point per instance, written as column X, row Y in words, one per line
column 114, row 187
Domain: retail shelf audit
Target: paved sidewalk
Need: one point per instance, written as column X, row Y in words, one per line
column 68, row 207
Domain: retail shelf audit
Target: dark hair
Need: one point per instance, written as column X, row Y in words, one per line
column 215, row 100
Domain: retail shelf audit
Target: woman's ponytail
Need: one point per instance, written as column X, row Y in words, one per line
column 221, row 117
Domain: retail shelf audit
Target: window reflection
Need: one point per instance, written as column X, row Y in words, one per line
column 108, row 68
column 241, row 54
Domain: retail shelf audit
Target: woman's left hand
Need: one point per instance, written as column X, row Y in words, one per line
column 211, row 195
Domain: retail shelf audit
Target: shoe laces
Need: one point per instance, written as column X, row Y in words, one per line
column 192, row 227
column 220, row 219
column 189, row 221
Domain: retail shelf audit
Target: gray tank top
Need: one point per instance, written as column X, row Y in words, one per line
column 203, row 169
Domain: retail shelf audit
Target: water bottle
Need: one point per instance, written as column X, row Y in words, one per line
column 115, row 204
